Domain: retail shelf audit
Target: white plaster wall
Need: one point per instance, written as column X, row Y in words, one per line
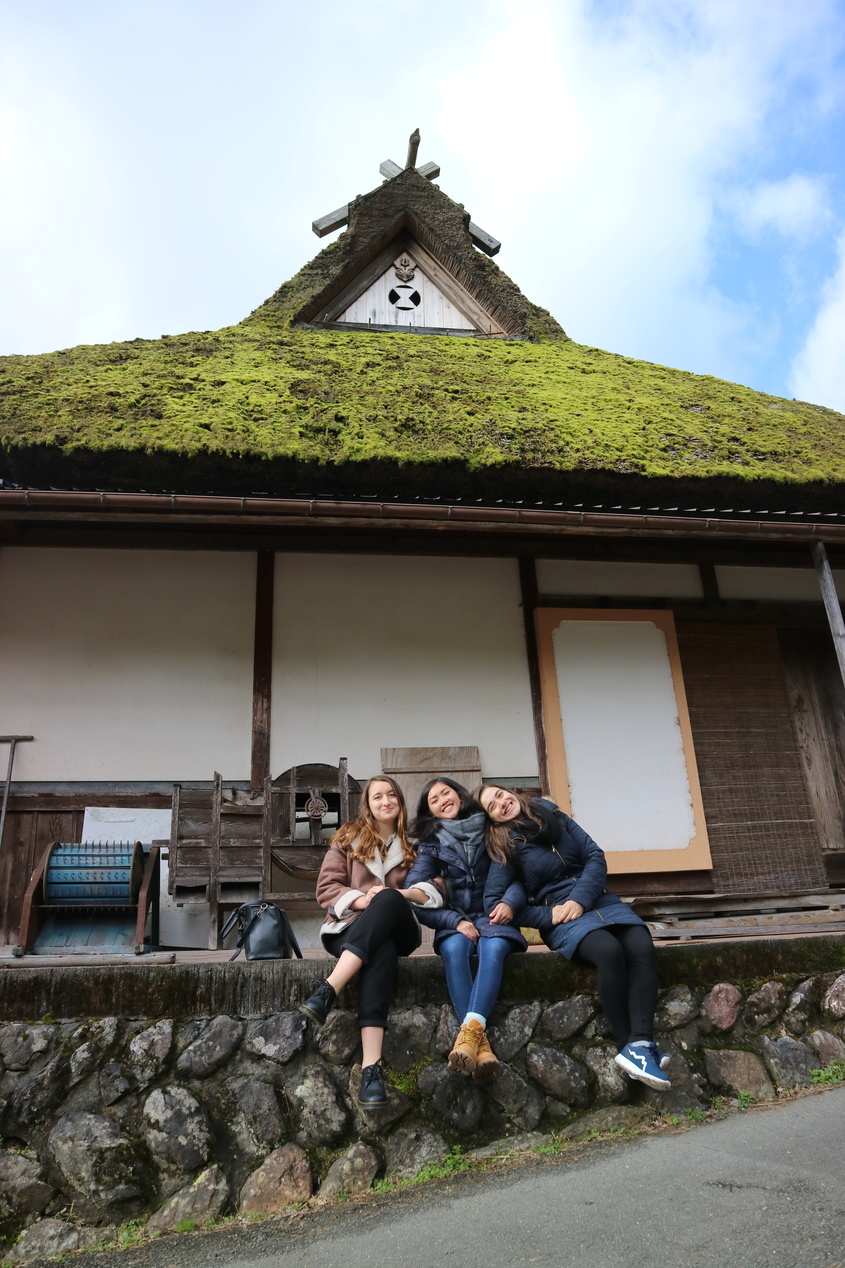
column 379, row 651
column 774, row 584
column 130, row 665
column 656, row 581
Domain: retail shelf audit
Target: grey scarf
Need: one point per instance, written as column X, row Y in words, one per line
column 463, row 835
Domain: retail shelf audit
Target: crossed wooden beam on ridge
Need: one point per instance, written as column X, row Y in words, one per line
column 337, row 219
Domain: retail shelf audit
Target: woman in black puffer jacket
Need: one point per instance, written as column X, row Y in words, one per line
column 450, row 828
column 564, row 874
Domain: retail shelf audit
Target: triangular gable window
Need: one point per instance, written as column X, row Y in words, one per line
column 406, row 287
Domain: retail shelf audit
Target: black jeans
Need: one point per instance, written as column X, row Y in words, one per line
column 627, row 978
column 379, row 935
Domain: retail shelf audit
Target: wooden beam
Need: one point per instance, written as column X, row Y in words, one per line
column 831, row 604
column 481, row 239
column 334, row 220
column 530, row 601
column 262, row 671
column 709, row 581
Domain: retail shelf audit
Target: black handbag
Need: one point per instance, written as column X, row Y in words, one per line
column 264, row 932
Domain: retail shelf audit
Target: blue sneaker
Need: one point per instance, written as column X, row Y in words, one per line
column 660, row 1058
column 637, row 1060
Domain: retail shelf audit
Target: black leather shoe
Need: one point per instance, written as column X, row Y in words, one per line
column 319, row 1005
column 372, row 1090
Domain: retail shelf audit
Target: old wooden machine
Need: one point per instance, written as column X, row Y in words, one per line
column 87, row 898
column 230, row 846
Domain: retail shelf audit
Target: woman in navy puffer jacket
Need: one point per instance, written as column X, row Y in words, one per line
column 450, row 827
column 564, row 874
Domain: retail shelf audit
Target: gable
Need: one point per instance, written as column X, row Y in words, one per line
column 405, row 286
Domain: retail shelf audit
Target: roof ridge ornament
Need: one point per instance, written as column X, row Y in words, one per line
column 390, row 170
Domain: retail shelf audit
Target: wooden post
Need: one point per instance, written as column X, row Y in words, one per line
column 831, row 603
column 262, row 671
column 214, row 865
column 530, row 601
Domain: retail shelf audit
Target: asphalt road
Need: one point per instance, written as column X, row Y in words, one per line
column 764, row 1188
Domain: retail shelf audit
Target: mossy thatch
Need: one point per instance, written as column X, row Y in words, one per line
column 264, row 407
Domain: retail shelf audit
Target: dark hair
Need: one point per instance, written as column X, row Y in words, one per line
column 424, row 827
column 497, row 836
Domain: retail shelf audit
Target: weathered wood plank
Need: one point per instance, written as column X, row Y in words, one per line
column 262, row 673
column 334, row 220
column 831, row 603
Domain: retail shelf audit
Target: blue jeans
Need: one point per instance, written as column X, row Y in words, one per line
column 480, row 995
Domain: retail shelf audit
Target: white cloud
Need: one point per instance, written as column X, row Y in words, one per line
column 605, row 169
column 796, row 207
column 818, row 371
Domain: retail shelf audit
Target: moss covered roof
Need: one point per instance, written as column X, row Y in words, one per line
column 270, row 405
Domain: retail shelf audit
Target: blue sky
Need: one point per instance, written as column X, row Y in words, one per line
column 666, row 176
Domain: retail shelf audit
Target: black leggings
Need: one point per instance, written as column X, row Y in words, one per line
column 627, row 979
column 383, row 931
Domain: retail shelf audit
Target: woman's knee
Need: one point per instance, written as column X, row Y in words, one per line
column 456, row 948
column 602, row 950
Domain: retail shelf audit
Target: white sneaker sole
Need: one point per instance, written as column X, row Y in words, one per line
column 660, row 1085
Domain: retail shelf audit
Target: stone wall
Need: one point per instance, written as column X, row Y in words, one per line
column 119, row 1114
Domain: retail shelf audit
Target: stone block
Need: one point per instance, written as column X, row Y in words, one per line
column 54, row 1237
column 412, row 1148
column 558, row 1074
column 340, row 1038
column 176, row 1129
column 563, row 1020
column 677, row 1007
column 763, row 1006
column 834, row 998
column 282, row 1179
column 447, row 1031
column 612, row 1082
column 19, row 1044
column 22, row 1183
column 212, row 1049
column 248, row 1108
column 829, row 1047
column 148, row 1051
column 788, row 1061
column 801, row 1003
column 410, row 1035
column 719, row 1009
column 320, row 1117
column 610, row 1118
column 278, row 1038
column 523, row 1103
column 738, row 1072
column 453, row 1097
column 511, row 1033
column 352, row 1173
column 510, row 1145
column 203, row 1200
column 97, row 1159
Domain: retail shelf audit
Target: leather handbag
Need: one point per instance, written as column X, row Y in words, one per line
column 264, row 932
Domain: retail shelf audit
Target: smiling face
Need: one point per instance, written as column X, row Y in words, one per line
column 383, row 802
column 443, row 802
column 501, row 805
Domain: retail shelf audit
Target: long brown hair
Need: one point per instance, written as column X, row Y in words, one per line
column 360, row 837
column 497, row 836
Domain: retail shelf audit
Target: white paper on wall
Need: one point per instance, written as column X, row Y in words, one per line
column 625, row 759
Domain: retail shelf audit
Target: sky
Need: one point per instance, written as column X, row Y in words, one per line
column 667, row 177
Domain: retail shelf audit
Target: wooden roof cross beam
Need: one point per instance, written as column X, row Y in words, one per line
column 389, row 170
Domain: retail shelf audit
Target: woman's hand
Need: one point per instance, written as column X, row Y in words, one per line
column 570, row 910
column 468, row 929
column 501, row 914
column 363, row 901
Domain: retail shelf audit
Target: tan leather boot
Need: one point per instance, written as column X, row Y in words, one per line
column 486, row 1061
column 464, row 1054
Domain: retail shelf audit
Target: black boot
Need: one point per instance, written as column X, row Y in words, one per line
column 372, row 1091
column 319, row 1005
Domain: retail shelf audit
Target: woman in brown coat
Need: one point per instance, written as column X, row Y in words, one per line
column 370, row 921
